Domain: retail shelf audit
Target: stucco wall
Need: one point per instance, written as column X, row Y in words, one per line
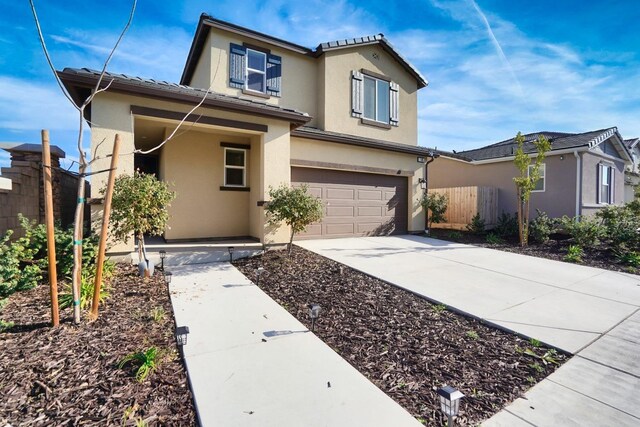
column 590, row 162
column 327, row 152
column 111, row 113
column 193, row 163
column 299, row 73
column 337, row 66
column 558, row 199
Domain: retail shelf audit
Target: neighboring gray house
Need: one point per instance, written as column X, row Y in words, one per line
column 632, row 174
column 582, row 173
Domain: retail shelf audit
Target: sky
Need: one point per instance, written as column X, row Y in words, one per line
column 495, row 67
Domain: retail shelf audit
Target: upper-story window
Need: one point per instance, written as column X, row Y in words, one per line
column 606, row 190
column 374, row 98
column 255, row 71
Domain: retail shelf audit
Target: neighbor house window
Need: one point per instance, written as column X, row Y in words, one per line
column 374, row 99
column 255, row 71
column 235, row 167
column 540, row 184
column 605, row 184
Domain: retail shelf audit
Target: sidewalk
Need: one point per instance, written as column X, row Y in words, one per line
column 251, row 363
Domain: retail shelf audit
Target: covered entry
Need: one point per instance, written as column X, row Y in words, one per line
column 356, row 204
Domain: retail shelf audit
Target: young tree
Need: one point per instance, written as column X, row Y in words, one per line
column 526, row 182
column 436, row 204
column 139, row 207
column 295, row 207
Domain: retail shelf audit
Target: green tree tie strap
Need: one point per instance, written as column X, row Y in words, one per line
column 76, row 302
column 77, row 242
column 81, row 199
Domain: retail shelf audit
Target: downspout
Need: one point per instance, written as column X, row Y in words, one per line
column 578, row 186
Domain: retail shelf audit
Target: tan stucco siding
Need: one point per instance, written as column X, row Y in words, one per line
column 111, row 113
column 299, row 73
column 194, row 166
column 590, row 162
column 336, row 110
column 558, row 199
column 202, row 75
column 347, row 155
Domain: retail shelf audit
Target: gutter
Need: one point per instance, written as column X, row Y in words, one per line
column 578, row 186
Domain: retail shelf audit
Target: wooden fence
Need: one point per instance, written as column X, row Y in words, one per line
column 465, row 202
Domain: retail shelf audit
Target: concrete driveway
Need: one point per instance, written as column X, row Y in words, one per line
column 586, row 311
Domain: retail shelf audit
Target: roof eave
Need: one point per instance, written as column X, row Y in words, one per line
column 74, row 81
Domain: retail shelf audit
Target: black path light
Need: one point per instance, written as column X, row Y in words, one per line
column 163, row 255
column 167, row 276
column 181, row 337
column 314, row 313
column 449, row 402
column 231, row 249
column 259, row 272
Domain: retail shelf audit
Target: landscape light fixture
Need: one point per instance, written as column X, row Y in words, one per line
column 314, row 313
column 167, row 276
column 449, row 402
column 259, row 272
column 423, row 183
column 231, row 249
column 163, row 255
column 181, row 337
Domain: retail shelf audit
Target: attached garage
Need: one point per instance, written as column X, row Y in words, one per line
column 356, row 204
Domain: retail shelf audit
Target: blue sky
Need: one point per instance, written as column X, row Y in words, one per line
column 495, row 67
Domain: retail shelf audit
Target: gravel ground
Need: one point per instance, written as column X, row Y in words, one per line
column 68, row 376
column 402, row 343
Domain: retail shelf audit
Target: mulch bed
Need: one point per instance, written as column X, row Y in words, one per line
column 405, row 345
column 555, row 249
column 68, row 376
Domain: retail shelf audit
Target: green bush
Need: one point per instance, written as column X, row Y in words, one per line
column 477, row 224
column 494, row 239
column 24, row 262
column 621, row 225
column 542, row 227
column 630, row 258
column 574, row 254
column 585, row 232
column 436, row 204
column 506, row 226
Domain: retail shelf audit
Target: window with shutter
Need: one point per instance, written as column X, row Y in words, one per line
column 255, row 71
column 374, row 99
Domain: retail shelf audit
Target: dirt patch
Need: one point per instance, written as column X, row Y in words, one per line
column 68, row 376
column 403, row 344
column 555, row 249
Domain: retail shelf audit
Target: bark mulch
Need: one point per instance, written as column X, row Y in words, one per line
column 69, row 376
column 555, row 249
column 405, row 345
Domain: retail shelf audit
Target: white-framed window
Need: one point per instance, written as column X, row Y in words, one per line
column 235, row 167
column 376, row 99
column 541, row 183
column 606, row 189
column 256, row 79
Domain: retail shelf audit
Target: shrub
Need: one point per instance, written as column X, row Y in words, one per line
column 506, row 225
column 295, row 207
column 454, row 235
column 477, row 224
column 621, row 225
column 630, row 258
column 18, row 270
column 139, row 207
column 65, row 298
column 144, row 362
column 586, row 232
column 493, row 239
column 436, row 204
column 542, row 227
column 574, row 254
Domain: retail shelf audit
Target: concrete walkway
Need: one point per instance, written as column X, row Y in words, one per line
column 583, row 310
column 251, row 363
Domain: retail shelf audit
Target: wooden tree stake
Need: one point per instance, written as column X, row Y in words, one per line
column 105, row 227
column 51, row 240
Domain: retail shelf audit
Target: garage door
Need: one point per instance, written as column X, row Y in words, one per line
column 356, row 204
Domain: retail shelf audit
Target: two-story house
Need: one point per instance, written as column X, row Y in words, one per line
column 341, row 118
